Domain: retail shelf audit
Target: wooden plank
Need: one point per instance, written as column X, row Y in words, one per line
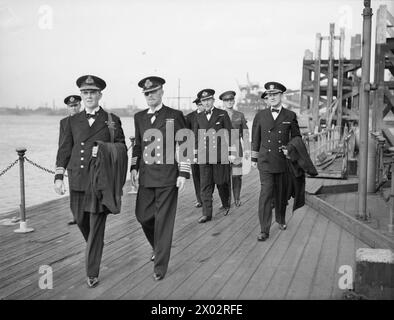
column 210, row 263
column 302, row 281
column 260, row 278
column 193, row 257
column 346, row 256
column 284, row 271
column 211, row 287
column 325, row 271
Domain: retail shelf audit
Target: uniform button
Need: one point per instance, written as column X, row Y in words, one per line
column 82, row 159
column 269, row 140
column 158, row 162
column 158, row 147
column 279, row 141
column 280, row 131
column 82, row 151
column 146, row 154
column 146, row 161
column 82, row 144
column 82, row 166
column 269, row 150
column 146, row 147
column 158, row 154
column 158, row 139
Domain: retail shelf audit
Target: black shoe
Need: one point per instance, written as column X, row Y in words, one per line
column 70, row 223
column 262, row 236
column 157, row 277
column 198, row 204
column 237, row 203
column 92, row 282
column 223, row 210
column 204, row 219
column 282, row 226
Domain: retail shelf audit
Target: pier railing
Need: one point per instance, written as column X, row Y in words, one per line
column 326, row 146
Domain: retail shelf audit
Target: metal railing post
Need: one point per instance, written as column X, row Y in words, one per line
column 22, row 224
column 364, row 111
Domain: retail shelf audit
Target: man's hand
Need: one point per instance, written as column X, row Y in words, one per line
column 285, row 151
column 180, row 183
column 59, row 187
column 254, row 164
column 134, row 178
column 247, row 154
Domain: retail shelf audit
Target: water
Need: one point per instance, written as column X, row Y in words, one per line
column 39, row 135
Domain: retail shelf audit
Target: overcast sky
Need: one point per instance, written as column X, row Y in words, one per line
column 46, row 45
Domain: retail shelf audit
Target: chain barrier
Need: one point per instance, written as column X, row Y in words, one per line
column 37, row 165
column 40, row 167
column 9, row 167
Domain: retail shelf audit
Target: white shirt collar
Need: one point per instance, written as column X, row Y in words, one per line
column 93, row 111
column 150, row 111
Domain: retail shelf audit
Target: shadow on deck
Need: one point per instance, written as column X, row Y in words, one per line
column 217, row 260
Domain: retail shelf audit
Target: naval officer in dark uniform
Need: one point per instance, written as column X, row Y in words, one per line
column 215, row 167
column 272, row 130
column 190, row 119
column 82, row 131
column 73, row 104
column 238, row 122
column 155, row 172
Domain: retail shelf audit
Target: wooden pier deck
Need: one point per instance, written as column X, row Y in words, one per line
column 221, row 259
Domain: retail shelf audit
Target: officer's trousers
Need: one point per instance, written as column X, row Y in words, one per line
column 273, row 189
column 211, row 174
column 237, row 184
column 155, row 210
column 196, row 181
column 92, row 227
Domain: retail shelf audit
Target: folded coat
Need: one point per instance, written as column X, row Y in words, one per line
column 107, row 176
column 298, row 163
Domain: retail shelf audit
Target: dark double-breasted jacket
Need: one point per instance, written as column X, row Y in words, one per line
column 75, row 149
column 269, row 135
column 219, row 120
column 191, row 118
column 162, row 171
column 62, row 129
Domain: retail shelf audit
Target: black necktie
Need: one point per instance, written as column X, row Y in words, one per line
column 154, row 114
column 208, row 112
column 91, row 115
column 274, row 110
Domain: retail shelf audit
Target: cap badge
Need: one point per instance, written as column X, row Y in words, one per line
column 148, row 83
column 272, row 87
column 89, row 80
column 72, row 99
column 204, row 94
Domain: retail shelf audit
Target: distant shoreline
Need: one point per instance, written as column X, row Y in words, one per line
column 121, row 112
